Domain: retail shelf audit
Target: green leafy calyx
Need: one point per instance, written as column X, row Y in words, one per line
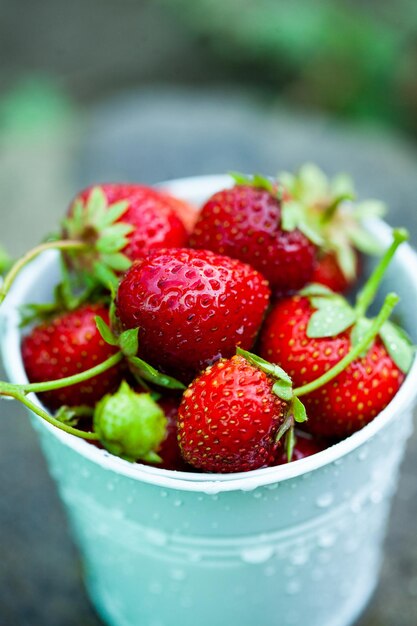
column 334, row 315
column 325, row 209
column 258, row 181
column 69, row 295
column 98, row 224
column 295, row 411
column 128, row 343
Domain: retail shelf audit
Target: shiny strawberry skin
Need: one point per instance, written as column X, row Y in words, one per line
column 192, row 307
column 228, row 418
column 68, row 345
column 327, row 272
column 245, row 223
column 354, row 397
column 154, row 215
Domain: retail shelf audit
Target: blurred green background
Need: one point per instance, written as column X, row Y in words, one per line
column 63, row 66
column 352, row 58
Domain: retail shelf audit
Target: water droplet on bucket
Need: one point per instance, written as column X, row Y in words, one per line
column 194, row 557
column 211, row 489
column 363, row 454
column 326, row 540
column 351, row 546
column 376, row 496
column 299, row 558
column 178, row 574
column 325, row 500
column 258, row 554
column 292, row 587
column 272, row 486
column 178, row 502
column 356, row 506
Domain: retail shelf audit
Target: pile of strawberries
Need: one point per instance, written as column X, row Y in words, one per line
column 160, row 304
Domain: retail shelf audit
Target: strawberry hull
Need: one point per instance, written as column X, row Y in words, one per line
column 296, row 544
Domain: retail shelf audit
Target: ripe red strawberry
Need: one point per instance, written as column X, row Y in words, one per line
column 304, row 446
column 192, row 307
column 68, row 345
column 355, row 396
column 229, row 417
column 328, row 272
column 121, row 223
column 187, row 213
column 245, row 222
column 332, row 212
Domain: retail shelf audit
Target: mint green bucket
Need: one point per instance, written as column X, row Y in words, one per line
column 293, row 545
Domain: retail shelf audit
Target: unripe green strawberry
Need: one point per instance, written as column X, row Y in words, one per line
column 130, row 424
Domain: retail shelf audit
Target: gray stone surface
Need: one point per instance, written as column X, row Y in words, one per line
column 151, row 136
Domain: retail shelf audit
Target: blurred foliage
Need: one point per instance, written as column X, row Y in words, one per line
column 353, row 57
column 34, row 102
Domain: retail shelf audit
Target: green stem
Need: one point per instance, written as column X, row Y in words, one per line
column 367, row 294
column 51, row 420
column 386, row 310
column 29, row 256
column 18, row 392
column 70, row 380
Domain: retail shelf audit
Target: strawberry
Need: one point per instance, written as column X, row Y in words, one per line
column 168, row 454
column 68, row 345
column 310, row 334
column 169, row 450
column 329, row 208
column 229, row 418
column 329, row 273
column 304, row 446
column 192, row 307
column 246, row 223
column 187, row 213
column 120, row 223
column 130, row 424
column 349, row 401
